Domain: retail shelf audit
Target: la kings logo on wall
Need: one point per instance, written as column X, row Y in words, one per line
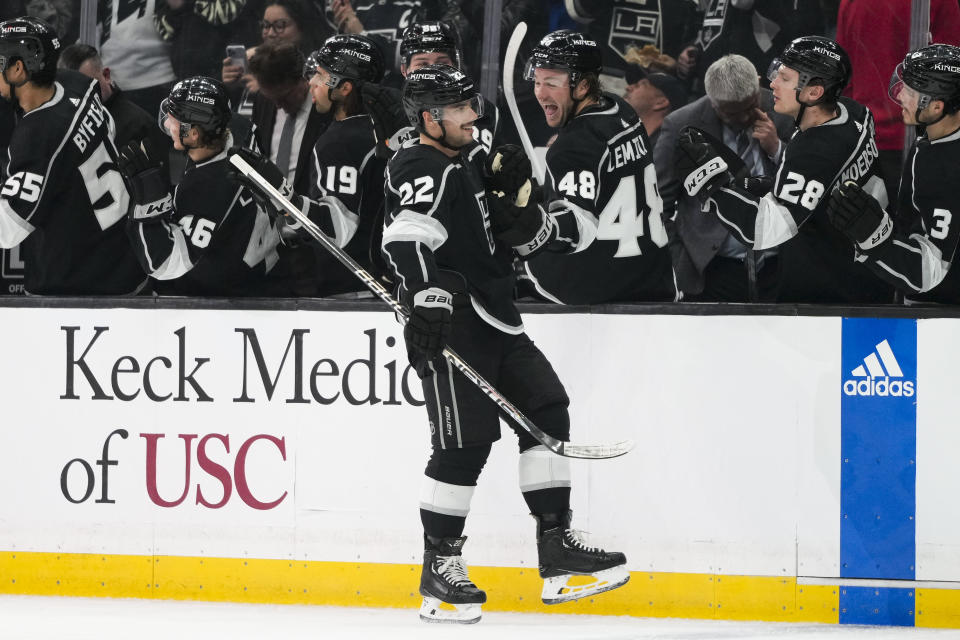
column 11, row 271
column 635, row 26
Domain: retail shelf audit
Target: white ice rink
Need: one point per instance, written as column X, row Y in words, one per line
column 55, row 618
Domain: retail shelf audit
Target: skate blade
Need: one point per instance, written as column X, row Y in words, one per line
column 435, row 610
column 559, row 589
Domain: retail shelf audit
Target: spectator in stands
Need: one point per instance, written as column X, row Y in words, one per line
column 860, row 27
column 755, row 29
column 653, row 95
column 131, row 46
column 132, row 123
column 293, row 21
column 200, row 30
column 711, row 265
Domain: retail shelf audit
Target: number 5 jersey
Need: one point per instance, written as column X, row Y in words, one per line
column 63, row 197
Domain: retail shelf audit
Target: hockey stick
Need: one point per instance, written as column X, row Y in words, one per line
column 509, row 65
column 557, row 446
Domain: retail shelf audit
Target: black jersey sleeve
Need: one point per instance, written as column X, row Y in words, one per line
column 801, row 185
column 48, row 165
column 572, row 172
column 417, row 214
column 921, row 250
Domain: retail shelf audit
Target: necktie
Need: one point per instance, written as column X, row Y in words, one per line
column 286, row 141
column 743, row 145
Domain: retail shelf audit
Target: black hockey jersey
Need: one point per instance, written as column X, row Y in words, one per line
column 346, row 167
column 917, row 259
column 218, row 241
column 600, row 171
column 63, row 196
column 816, row 260
column 437, row 219
column 618, row 25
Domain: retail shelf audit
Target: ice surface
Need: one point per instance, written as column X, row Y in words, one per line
column 49, row 618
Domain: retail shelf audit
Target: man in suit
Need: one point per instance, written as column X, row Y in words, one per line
column 287, row 124
column 287, row 128
column 711, row 265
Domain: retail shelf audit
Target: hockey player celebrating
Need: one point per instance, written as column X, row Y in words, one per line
column 834, row 143
column 600, row 172
column 453, row 259
column 426, row 43
column 915, row 251
column 345, row 166
column 63, row 195
column 212, row 236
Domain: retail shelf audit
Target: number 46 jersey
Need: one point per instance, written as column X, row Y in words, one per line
column 63, row 197
column 600, row 172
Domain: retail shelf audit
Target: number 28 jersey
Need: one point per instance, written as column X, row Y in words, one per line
column 63, row 196
column 600, row 171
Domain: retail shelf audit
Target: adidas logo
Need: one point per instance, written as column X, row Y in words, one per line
column 878, row 376
column 75, row 101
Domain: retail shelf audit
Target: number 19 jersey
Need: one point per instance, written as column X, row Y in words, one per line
column 63, row 196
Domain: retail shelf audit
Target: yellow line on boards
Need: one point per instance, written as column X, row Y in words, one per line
column 648, row 594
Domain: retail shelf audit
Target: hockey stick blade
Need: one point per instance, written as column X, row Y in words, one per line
column 509, row 65
column 557, row 446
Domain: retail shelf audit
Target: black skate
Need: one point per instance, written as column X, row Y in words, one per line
column 448, row 594
column 564, row 555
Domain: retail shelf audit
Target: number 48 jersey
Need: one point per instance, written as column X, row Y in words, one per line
column 600, row 171
column 63, row 196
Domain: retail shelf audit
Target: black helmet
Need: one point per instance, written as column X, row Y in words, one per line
column 35, row 43
column 347, row 57
column 818, row 60
column 197, row 102
column 933, row 72
column 430, row 37
column 565, row 50
column 433, row 87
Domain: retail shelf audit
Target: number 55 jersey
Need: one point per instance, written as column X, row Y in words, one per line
column 600, row 172
column 63, row 197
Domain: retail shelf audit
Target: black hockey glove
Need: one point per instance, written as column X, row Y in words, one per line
column 858, row 215
column 507, row 170
column 147, row 182
column 270, row 172
column 525, row 228
column 428, row 326
column 385, row 107
column 700, row 165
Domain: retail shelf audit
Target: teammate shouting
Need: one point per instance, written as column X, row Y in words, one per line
column 599, row 172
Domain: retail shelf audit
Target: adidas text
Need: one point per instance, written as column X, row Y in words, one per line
column 882, row 387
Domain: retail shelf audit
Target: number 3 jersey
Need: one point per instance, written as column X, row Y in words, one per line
column 63, row 197
column 919, row 255
column 600, row 171
column 437, row 220
column 816, row 261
